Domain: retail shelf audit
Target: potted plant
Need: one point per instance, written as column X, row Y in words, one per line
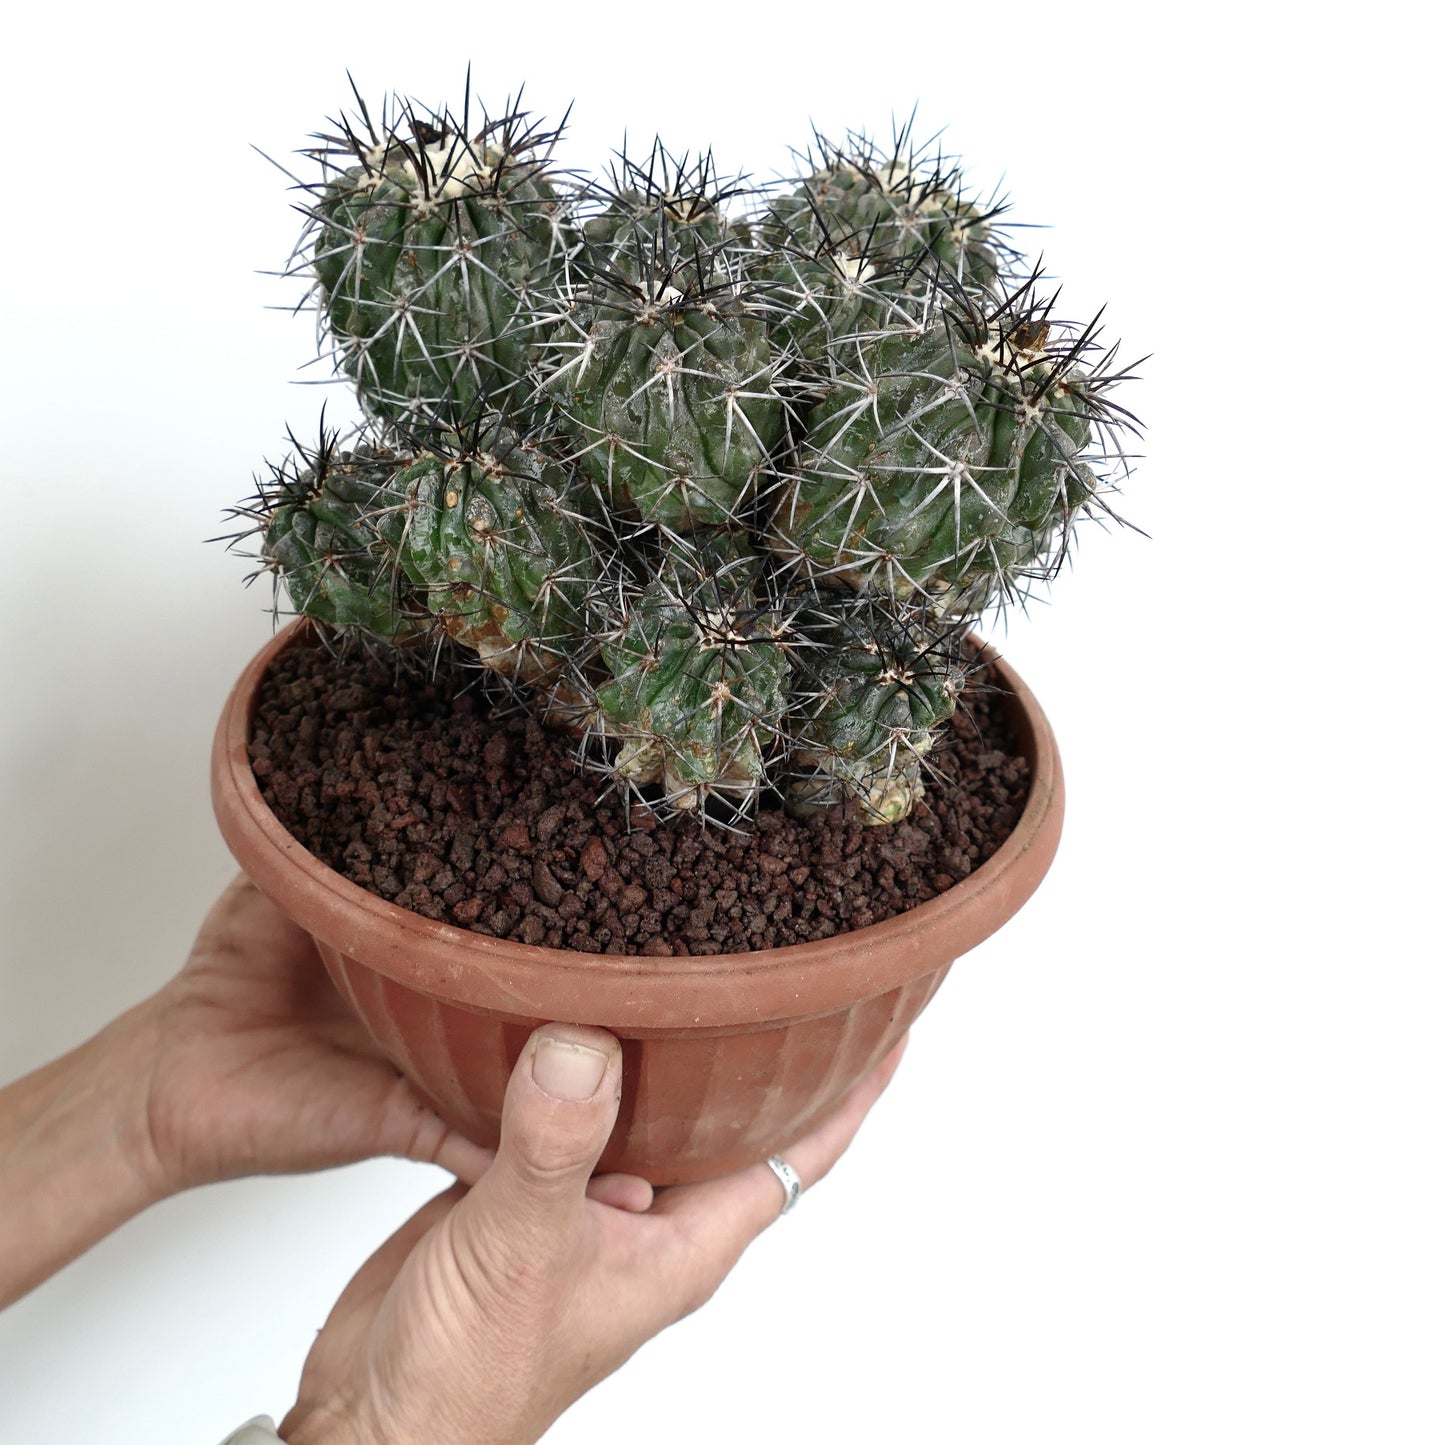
column 634, row 682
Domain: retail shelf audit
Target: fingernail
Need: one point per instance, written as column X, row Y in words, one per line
column 567, row 1071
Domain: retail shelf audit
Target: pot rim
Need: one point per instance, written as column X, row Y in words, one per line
column 477, row 971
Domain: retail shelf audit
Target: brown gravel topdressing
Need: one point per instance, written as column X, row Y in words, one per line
column 415, row 790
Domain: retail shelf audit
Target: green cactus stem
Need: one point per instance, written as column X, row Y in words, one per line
column 498, row 546
column 697, row 682
column 669, row 396
column 896, row 203
column 671, row 205
column 948, row 460
column 328, row 520
column 815, row 296
column 427, row 240
column 872, row 691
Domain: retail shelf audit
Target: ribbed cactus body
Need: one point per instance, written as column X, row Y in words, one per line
column 329, row 525
column 632, row 220
column 874, row 689
column 502, row 557
column 426, row 254
column 754, row 460
column 671, row 406
column 697, row 683
column 661, row 213
column 887, row 210
column 943, row 468
column 814, row 297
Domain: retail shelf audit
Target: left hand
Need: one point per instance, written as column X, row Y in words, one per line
column 259, row 1067
column 247, row 1062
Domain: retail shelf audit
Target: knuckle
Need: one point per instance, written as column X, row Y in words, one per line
column 422, row 1132
column 552, row 1150
column 547, row 1164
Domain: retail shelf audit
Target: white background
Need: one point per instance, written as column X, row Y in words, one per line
column 1164, row 1161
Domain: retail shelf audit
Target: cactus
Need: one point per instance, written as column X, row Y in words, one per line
column 697, row 680
column 864, row 225
column 667, row 389
column 945, row 461
column 500, row 553
column 427, row 241
column 883, row 685
column 716, row 476
column 892, row 203
column 330, row 524
column 675, row 205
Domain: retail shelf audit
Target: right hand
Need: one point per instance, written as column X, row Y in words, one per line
column 493, row 1309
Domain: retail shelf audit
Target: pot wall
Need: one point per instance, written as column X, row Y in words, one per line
column 727, row 1059
column 695, row 1103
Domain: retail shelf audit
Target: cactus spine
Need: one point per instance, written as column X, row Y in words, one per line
column 716, row 473
column 945, row 462
column 697, row 681
column 669, row 398
column 427, row 241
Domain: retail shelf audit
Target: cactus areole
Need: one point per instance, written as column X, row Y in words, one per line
column 718, row 475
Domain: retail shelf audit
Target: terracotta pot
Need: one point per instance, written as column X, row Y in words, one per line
column 726, row 1059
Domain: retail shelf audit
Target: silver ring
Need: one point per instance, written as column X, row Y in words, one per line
column 788, row 1178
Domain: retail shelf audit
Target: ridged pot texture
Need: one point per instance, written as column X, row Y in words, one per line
column 727, row 1059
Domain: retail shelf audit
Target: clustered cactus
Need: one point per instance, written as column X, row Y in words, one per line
column 717, row 475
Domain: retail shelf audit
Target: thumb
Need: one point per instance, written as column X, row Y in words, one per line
column 559, row 1110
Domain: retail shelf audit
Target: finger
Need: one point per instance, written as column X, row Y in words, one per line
column 722, row 1217
column 621, row 1191
column 560, row 1106
column 413, row 1130
column 361, row 1108
column 460, row 1157
column 418, row 1133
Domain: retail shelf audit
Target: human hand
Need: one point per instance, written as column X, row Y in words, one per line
column 494, row 1308
column 257, row 1066
column 246, row 1062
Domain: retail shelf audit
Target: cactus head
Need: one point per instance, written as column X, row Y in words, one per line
column 328, row 521
column 893, row 202
column 666, row 388
column 428, row 234
column 821, row 288
column 875, row 683
column 948, row 459
column 499, row 547
column 665, row 209
column 697, row 680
